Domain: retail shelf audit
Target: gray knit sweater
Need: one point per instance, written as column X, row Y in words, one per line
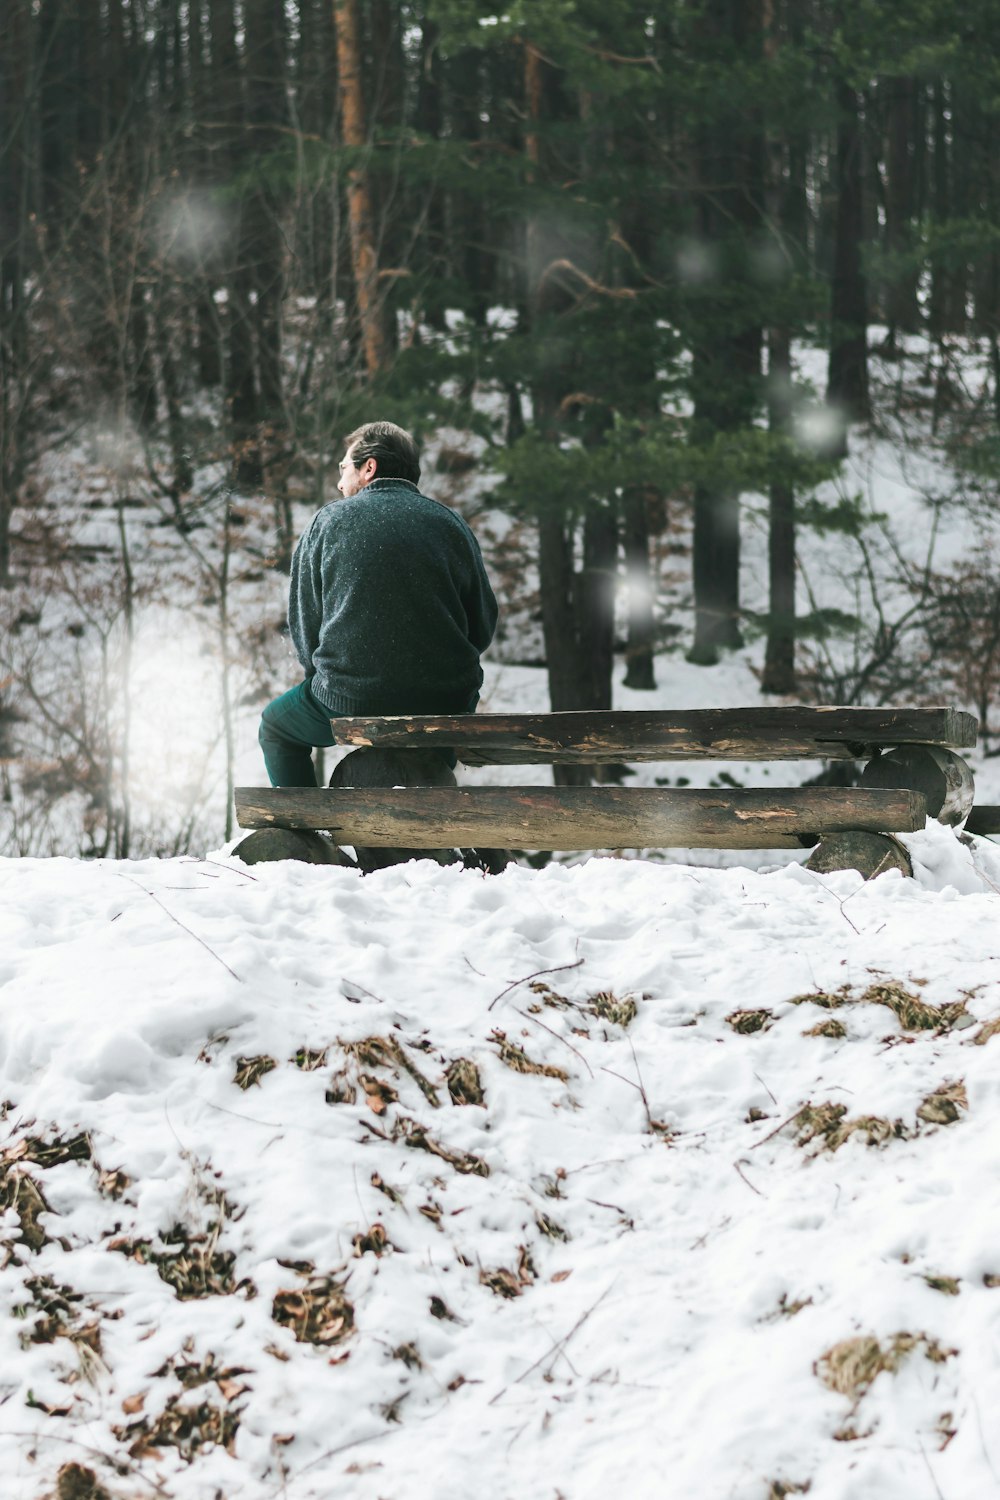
column 390, row 605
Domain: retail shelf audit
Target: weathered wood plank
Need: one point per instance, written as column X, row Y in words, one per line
column 793, row 733
column 580, row 817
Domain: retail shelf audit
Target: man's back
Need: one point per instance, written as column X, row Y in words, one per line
column 390, row 605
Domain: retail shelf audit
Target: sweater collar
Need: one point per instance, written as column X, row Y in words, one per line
column 376, row 482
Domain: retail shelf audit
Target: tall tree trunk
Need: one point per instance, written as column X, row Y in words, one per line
column 726, row 333
column 901, row 302
column 266, row 114
column 781, row 196
column 16, row 66
column 779, row 656
column 360, row 205
column 940, row 297
column 636, row 505
column 847, row 378
column 208, row 328
column 577, row 606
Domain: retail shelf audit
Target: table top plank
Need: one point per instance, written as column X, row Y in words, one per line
column 794, row 732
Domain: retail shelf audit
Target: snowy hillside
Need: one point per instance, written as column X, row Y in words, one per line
column 625, row 1176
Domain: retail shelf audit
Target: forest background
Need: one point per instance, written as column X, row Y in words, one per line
column 588, row 250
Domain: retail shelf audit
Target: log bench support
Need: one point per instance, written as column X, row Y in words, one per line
column 913, row 771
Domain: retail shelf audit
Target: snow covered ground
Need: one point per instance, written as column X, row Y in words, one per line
column 626, row 1176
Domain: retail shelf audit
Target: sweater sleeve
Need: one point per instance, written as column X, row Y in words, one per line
column 481, row 605
column 305, row 600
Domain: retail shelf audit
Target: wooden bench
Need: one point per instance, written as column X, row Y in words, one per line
column 913, row 770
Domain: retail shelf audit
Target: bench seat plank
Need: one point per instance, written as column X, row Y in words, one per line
column 580, row 817
column 789, row 733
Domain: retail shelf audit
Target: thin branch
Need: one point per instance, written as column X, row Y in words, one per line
column 208, row 949
column 558, row 969
column 575, row 1050
column 742, row 1175
column 558, row 1345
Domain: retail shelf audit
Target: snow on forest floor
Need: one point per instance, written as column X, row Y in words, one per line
column 670, row 1180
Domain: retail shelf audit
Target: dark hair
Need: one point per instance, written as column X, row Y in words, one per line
column 395, row 452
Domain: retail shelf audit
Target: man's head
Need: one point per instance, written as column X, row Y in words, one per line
column 378, row 450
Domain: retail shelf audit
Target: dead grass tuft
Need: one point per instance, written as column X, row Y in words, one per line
column 464, row 1083
column 317, row 1313
column 607, row 1007
column 831, row 1027
column 515, row 1058
column 59, row 1311
column 827, row 999
column 949, row 1285
column 250, row 1070
column 549, row 1227
column 393, row 1194
column 190, row 1427
column 77, row 1482
column 195, row 1269
column 746, row 1022
column 988, row 1029
column 53, row 1153
column 409, row 1355
column 342, row 1089
column 510, row 1283
column 781, row 1488
column 20, row 1191
column 310, row 1059
column 373, row 1241
column 112, row 1182
column 386, row 1052
column 828, row 1125
column 415, row 1135
column 850, row 1367
column 378, row 1094
column 550, row 997
column 912, row 1013
column 942, row 1107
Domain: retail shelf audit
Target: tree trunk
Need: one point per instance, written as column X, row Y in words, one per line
column 208, row 329
column 15, row 72
column 779, row 657
column 639, row 672
column 847, row 378
column 360, row 207
column 901, row 302
column 781, row 195
column 266, row 114
column 940, row 298
column 726, row 333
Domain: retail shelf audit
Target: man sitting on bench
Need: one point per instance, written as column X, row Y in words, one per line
column 389, row 609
